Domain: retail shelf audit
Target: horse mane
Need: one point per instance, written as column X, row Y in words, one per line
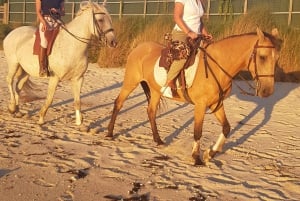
column 274, row 40
column 277, row 42
column 85, row 5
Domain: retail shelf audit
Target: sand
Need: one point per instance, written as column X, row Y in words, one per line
column 64, row 162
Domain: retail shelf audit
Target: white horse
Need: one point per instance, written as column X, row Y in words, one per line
column 68, row 60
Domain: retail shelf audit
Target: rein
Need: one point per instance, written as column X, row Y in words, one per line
column 221, row 91
column 82, row 39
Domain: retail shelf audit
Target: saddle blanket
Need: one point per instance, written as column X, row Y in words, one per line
column 160, row 73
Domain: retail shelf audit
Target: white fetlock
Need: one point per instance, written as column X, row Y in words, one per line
column 78, row 118
column 218, row 147
column 206, row 156
column 166, row 92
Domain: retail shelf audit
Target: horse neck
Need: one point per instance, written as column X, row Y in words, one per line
column 79, row 32
column 233, row 54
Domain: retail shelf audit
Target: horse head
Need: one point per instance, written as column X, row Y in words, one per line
column 265, row 55
column 101, row 24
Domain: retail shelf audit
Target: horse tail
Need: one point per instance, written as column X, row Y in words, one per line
column 148, row 94
column 146, row 90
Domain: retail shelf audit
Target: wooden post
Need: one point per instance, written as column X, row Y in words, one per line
column 245, row 6
column 145, row 8
column 120, row 9
column 208, row 9
column 290, row 12
column 73, row 10
column 24, row 12
column 4, row 9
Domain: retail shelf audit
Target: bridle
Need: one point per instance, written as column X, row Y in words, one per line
column 96, row 28
column 257, row 76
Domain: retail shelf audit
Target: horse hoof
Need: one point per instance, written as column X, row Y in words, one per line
column 199, row 162
column 41, row 122
column 208, row 155
column 109, row 136
column 19, row 114
column 12, row 109
column 159, row 141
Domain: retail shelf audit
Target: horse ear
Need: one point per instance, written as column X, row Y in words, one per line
column 84, row 3
column 260, row 34
column 275, row 33
column 104, row 3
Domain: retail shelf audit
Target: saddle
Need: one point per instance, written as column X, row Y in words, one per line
column 176, row 50
column 50, row 36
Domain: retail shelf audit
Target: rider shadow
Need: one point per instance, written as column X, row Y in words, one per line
column 265, row 105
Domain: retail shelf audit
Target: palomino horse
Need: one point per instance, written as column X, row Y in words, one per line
column 225, row 58
column 68, row 60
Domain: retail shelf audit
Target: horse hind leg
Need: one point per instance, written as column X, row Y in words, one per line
column 153, row 98
column 13, row 68
column 21, row 80
column 218, row 146
column 118, row 104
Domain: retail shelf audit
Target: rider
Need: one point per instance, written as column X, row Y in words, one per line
column 44, row 10
column 188, row 18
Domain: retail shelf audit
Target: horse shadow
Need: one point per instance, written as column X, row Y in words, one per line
column 265, row 105
column 4, row 172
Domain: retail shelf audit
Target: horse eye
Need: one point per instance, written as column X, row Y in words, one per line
column 263, row 58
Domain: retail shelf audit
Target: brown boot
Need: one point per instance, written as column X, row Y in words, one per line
column 43, row 61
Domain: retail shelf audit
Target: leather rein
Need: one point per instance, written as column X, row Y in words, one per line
column 222, row 93
column 96, row 28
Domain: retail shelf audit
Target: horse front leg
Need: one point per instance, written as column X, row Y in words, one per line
column 199, row 112
column 218, row 146
column 12, row 106
column 76, row 86
column 151, row 110
column 52, row 84
column 118, row 104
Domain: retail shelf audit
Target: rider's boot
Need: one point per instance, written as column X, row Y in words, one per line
column 43, row 62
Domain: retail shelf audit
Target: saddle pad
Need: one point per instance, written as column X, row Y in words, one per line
column 160, row 73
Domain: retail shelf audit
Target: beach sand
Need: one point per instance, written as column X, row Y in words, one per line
column 60, row 161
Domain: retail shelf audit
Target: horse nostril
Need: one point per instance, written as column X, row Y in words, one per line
column 114, row 43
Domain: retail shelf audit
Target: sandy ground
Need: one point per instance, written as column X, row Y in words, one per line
column 61, row 161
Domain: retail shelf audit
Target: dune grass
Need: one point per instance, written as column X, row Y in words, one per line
column 131, row 31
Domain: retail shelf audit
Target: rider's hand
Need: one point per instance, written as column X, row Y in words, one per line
column 192, row 35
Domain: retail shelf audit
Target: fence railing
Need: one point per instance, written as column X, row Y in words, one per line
column 285, row 12
column 4, row 13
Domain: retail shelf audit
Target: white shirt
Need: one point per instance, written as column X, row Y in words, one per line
column 192, row 12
